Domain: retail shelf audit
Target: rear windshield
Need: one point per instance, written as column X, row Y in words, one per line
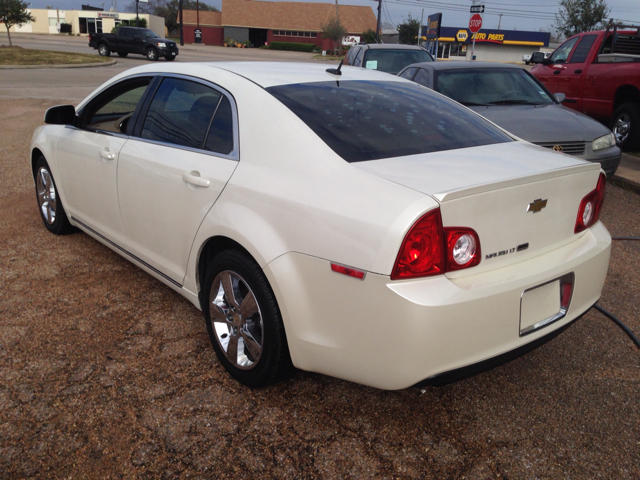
column 363, row 120
column 392, row 61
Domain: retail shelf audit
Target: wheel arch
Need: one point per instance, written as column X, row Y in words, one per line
column 626, row 94
column 210, row 248
column 36, row 153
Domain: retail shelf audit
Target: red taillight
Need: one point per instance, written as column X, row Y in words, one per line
column 428, row 249
column 589, row 210
column 421, row 253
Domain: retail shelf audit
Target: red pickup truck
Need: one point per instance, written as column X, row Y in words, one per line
column 599, row 72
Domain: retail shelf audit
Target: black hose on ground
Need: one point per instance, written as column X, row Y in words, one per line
column 625, row 238
column 626, row 329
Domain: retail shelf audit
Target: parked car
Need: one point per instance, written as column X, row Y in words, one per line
column 511, row 97
column 526, row 58
column 390, row 58
column 354, row 224
column 599, row 74
column 128, row 40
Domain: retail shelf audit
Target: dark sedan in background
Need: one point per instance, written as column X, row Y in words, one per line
column 512, row 98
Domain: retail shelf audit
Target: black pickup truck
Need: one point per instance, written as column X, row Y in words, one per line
column 128, row 40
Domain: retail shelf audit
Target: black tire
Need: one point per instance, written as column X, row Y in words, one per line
column 625, row 125
column 265, row 358
column 152, row 54
column 50, row 205
column 103, row 50
column 123, row 54
column 169, row 58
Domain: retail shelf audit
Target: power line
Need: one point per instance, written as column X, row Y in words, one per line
column 538, row 15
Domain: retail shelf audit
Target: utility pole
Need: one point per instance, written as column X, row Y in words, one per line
column 420, row 27
column 378, row 25
column 137, row 14
column 180, row 12
column 499, row 20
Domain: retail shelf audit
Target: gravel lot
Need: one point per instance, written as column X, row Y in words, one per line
column 105, row 372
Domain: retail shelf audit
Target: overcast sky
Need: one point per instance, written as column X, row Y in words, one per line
column 516, row 14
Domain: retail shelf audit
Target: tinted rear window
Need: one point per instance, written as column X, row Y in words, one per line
column 363, row 120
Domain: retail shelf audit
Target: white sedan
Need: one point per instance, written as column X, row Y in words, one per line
column 344, row 222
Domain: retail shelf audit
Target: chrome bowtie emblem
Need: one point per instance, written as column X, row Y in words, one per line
column 557, row 148
column 536, row 205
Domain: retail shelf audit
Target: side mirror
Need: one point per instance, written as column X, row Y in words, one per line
column 60, row 115
column 560, row 97
column 537, row 57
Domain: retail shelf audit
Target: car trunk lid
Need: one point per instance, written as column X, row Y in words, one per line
column 520, row 199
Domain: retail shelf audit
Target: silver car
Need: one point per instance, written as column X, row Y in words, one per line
column 512, row 98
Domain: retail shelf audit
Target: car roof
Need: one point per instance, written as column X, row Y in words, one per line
column 391, row 46
column 462, row 64
column 265, row 74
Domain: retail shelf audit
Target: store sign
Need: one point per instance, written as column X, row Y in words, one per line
column 462, row 35
column 108, row 15
column 433, row 26
column 351, row 40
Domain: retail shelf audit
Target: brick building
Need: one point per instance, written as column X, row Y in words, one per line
column 262, row 22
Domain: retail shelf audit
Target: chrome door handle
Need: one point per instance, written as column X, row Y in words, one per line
column 107, row 155
column 196, row 180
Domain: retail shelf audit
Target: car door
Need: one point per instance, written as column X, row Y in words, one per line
column 548, row 74
column 88, row 156
column 571, row 78
column 184, row 150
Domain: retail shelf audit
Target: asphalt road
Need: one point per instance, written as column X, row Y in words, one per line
column 105, row 372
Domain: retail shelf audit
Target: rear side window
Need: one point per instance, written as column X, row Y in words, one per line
column 362, row 120
column 422, row 77
column 582, row 50
column 408, row 73
column 184, row 113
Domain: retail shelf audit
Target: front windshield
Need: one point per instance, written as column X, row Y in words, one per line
column 149, row 34
column 493, row 86
column 392, row 61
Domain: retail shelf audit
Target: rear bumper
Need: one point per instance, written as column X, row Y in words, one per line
column 394, row 334
column 456, row 375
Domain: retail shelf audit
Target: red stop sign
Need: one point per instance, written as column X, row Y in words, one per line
column 475, row 23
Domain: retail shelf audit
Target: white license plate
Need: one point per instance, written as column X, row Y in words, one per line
column 538, row 306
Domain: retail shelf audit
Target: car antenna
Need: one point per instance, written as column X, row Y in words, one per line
column 336, row 71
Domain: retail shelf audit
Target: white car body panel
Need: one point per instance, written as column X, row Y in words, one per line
column 296, row 206
column 154, row 198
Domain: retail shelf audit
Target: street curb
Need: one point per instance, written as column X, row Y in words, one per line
column 625, row 183
column 82, row 65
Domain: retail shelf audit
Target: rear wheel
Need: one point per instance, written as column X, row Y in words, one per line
column 123, row 54
column 103, row 50
column 244, row 322
column 49, row 203
column 152, row 54
column 625, row 125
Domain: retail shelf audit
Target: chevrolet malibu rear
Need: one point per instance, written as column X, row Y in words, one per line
column 370, row 229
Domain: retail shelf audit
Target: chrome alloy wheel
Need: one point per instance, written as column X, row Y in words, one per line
column 622, row 127
column 236, row 319
column 47, row 198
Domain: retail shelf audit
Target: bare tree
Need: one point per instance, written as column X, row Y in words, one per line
column 577, row 16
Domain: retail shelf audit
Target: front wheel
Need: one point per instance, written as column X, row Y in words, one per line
column 244, row 322
column 123, row 54
column 49, row 203
column 625, row 125
column 103, row 50
column 152, row 54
